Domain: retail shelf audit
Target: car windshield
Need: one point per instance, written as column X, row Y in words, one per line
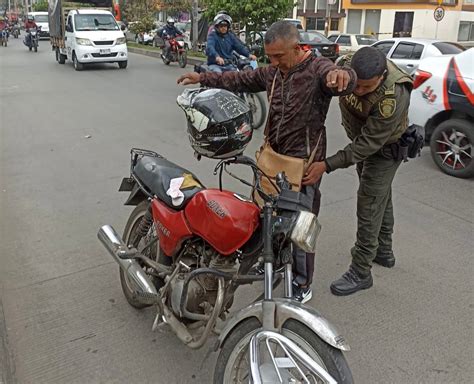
column 41, row 18
column 365, row 39
column 313, row 37
column 90, row 22
column 449, row 48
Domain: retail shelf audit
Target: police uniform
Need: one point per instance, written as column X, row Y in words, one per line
column 374, row 123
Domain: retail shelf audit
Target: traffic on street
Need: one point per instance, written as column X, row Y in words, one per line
column 147, row 237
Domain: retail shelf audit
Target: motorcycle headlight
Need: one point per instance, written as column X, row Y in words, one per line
column 121, row 40
column 81, row 41
column 306, row 231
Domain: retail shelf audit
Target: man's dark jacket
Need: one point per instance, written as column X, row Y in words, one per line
column 299, row 105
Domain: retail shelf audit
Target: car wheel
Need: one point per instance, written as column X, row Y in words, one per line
column 123, row 64
column 452, row 147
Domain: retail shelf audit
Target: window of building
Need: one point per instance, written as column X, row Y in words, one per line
column 354, row 19
column 320, row 24
column 310, row 23
column 466, row 31
column 334, row 25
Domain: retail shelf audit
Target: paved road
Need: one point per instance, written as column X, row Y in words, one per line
column 63, row 318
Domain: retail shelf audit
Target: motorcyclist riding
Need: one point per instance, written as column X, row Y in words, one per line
column 170, row 31
column 29, row 24
column 221, row 43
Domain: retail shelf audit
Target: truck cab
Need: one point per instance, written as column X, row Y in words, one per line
column 93, row 36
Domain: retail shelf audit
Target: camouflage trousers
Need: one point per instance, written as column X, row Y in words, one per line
column 374, row 210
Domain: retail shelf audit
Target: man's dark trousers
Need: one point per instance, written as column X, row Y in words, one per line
column 374, row 210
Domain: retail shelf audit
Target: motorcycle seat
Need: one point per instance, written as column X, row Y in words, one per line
column 156, row 173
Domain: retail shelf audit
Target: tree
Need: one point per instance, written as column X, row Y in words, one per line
column 254, row 14
column 40, row 5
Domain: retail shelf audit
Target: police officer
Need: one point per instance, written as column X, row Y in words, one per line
column 374, row 116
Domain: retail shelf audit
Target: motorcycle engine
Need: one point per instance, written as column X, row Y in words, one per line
column 202, row 290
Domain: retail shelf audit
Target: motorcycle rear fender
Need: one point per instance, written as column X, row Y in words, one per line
column 286, row 309
column 136, row 194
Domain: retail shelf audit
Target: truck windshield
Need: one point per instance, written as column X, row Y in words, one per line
column 90, row 22
column 41, row 18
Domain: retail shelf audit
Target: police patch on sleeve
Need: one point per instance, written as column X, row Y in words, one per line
column 387, row 107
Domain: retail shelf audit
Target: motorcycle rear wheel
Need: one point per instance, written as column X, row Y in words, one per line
column 235, row 350
column 128, row 234
column 36, row 48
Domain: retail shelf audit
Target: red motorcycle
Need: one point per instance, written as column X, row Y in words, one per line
column 186, row 251
column 177, row 51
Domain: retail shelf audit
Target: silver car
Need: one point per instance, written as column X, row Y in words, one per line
column 407, row 52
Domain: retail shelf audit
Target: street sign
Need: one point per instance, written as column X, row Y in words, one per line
column 439, row 13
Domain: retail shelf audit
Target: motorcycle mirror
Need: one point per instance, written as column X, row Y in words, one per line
column 122, row 27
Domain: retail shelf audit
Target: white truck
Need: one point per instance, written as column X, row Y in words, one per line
column 86, row 35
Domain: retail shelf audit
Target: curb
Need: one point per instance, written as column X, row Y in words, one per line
column 157, row 55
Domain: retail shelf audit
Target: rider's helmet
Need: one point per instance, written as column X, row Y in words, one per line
column 170, row 21
column 30, row 18
column 218, row 122
column 222, row 18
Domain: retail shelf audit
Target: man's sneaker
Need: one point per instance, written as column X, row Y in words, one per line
column 302, row 294
column 351, row 282
column 386, row 260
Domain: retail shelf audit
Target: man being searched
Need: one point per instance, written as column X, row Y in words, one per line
column 300, row 87
column 374, row 116
column 221, row 44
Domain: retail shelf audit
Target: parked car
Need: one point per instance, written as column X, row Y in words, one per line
column 351, row 43
column 407, row 52
column 320, row 44
column 443, row 102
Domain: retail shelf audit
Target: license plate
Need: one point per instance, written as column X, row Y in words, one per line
column 104, row 51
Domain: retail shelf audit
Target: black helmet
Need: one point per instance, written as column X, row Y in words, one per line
column 218, row 122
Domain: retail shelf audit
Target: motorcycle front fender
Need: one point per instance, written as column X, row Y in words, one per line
column 286, row 309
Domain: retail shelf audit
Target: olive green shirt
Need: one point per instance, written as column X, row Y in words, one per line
column 385, row 122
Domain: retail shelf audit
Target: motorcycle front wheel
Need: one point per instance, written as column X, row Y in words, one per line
column 258, row 109
column 233, row 366
column 182, row 59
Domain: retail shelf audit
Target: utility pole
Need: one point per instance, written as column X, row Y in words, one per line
column 195, row 24
column 328, row 17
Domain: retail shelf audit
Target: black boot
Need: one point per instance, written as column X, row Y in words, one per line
column 351, row 282
column 386, row 260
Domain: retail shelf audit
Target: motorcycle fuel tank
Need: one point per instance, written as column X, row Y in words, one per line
column 225, row 220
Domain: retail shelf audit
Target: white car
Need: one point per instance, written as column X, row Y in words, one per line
column 442, row 101
column 351, row 43
column 407, row 52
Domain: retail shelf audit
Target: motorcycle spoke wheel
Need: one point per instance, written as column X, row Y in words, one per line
column 257, row 108
column 233, row 363
column 153, row 252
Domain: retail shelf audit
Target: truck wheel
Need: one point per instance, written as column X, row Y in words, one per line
column 123, row 64
column 60, row 58
column 77, row 65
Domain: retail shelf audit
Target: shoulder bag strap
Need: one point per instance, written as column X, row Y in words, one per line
column 265, row 132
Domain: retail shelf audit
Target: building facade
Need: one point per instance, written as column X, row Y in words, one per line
column 388, row 18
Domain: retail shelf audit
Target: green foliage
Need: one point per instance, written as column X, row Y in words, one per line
column 145, row 24
column 40, row 6
column 255, row 14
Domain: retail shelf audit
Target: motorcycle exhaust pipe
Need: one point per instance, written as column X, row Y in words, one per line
column 116, row 247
